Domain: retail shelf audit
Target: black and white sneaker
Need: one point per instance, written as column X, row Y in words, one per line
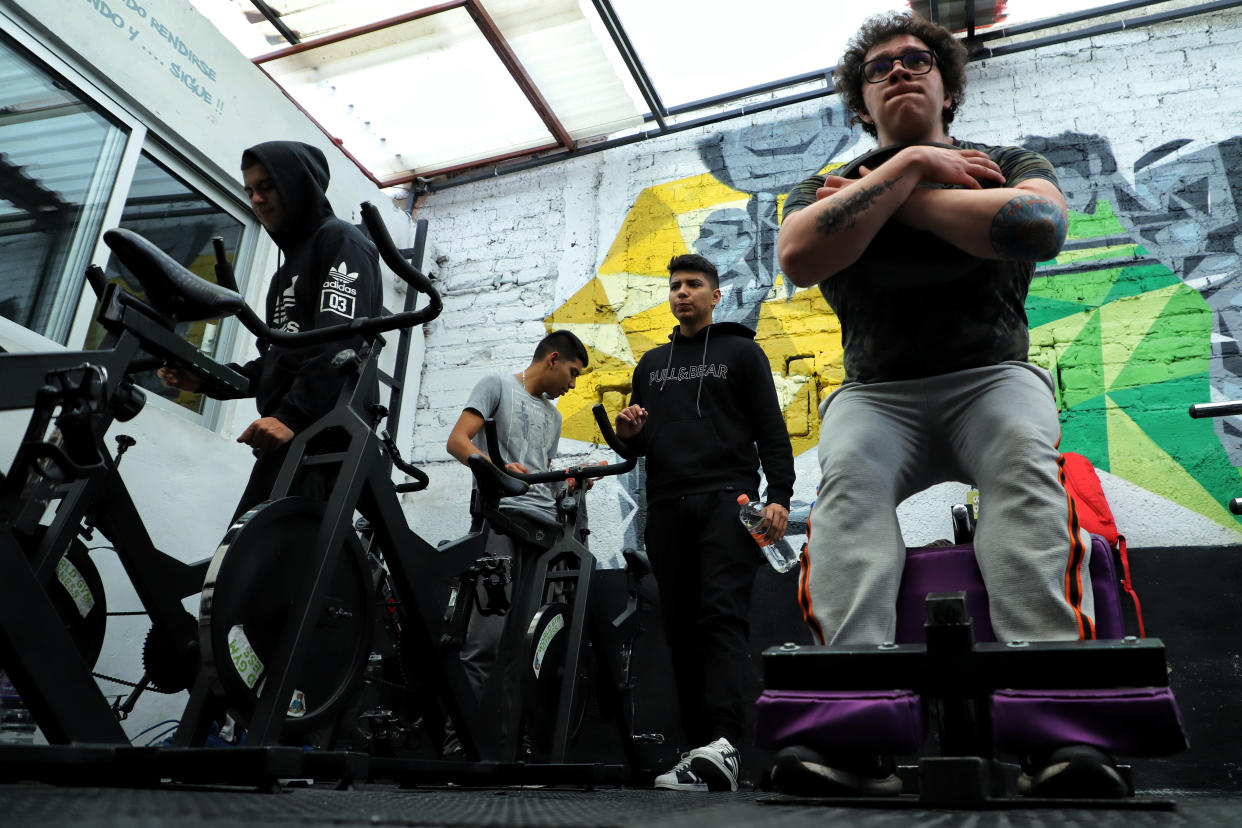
column 717, row 764
column 680, row 777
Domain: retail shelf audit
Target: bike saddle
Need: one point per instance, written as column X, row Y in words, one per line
column 171, row 289
column 888, row 258
column 494, row 484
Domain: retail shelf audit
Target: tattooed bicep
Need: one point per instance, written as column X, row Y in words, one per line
column 1029, row 228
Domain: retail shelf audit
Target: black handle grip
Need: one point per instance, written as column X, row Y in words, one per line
column 392, row 257
column 1219, row 409
column 224, row 269
column 97, row 280
column 421, row 480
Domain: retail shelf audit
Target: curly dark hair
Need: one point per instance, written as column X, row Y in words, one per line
column 950, row 58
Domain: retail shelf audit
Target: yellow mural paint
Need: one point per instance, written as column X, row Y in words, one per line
column 1134, row 455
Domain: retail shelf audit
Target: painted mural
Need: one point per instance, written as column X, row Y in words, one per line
column 1137, row 318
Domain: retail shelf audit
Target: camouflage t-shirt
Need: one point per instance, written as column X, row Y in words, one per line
column 914, row 305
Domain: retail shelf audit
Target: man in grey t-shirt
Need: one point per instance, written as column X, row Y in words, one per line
column 528, row 428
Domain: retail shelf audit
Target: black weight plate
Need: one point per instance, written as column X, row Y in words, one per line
column 248, row 599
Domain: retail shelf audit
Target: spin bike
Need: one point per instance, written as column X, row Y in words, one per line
column 288, row 601
column 52, row 602
column 570, row 630
column 565, row 600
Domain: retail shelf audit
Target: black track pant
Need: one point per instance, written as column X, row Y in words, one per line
column 704, row 563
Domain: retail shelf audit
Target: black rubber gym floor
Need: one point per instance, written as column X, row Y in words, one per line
column 32, row 805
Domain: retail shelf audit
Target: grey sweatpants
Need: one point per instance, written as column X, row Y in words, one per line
column 996, row 427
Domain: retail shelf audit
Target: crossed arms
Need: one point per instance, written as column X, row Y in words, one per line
column 1026, row 222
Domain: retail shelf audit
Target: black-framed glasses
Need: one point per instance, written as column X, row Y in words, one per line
column 917, row 62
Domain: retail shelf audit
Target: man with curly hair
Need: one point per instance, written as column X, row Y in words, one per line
column 925, row 251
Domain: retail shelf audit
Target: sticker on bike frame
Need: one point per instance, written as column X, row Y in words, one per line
column 545, row 641
column 245, row 659
column 73, row 582
column 297, row 704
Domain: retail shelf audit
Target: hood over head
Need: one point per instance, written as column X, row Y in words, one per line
column 300, row 173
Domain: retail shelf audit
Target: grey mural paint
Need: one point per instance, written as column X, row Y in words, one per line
column 1183, row 207
column 763, row 161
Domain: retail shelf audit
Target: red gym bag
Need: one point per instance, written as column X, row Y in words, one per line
column 1096, row 517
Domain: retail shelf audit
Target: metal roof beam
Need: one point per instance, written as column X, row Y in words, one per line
column 274, row 18
column 503, row 51
column 977, row 54
column 608, row 15
column 487, row 27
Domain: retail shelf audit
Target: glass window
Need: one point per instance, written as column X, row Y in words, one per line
column 58, row 161
column 182, row 222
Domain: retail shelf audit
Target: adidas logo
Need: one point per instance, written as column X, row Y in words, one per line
column 341, row 273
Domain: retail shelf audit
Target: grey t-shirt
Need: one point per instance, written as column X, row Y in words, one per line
column 528, row 429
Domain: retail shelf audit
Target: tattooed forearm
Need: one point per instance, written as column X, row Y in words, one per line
column 1029, row 228
column 840, row 217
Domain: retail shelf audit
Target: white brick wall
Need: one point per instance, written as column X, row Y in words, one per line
column 513, row 248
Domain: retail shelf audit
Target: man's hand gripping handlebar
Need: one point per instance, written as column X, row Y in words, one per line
column 579, row 475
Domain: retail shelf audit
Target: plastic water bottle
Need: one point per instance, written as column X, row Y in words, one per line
column 781, row 557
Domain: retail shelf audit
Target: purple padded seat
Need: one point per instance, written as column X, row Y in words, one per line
column 840, row 721
column 953, row 568
column 1127, row 721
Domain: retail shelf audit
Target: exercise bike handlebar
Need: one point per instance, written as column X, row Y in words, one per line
column 164, row 277
column 578, row 473
column 365, row 326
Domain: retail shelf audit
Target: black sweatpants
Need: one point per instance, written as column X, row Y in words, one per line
column 704, row 563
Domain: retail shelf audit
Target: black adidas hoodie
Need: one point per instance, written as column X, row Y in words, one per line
column 330, row 276
column 713, row 415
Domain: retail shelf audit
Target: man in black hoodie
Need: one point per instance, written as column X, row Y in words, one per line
column 704, row 411
column 330, row 276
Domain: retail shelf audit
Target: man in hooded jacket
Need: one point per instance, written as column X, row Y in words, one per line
column 329, row 276
column 705, row 413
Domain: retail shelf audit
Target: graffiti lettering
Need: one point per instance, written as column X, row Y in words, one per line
column 182, row 49
column 106, row 12
column 191, row 83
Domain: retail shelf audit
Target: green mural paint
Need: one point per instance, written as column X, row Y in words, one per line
column 1143, row 348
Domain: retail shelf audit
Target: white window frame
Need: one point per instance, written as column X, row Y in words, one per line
column 225, row 194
